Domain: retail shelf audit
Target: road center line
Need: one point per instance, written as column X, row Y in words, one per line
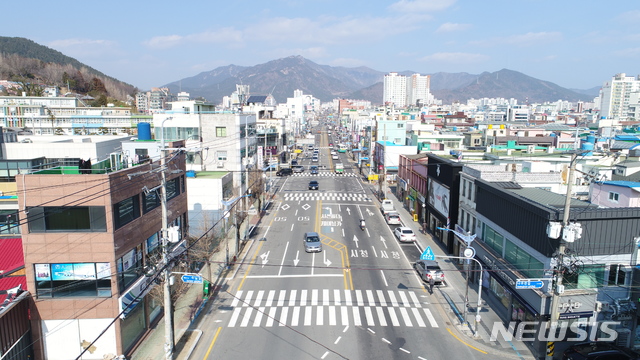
column 384, row 278
column 284, row 256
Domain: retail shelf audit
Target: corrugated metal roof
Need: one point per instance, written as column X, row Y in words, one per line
column 622, row 183
column 11, row 282
column 548, row 198
column 12, row 256
column 256, row 99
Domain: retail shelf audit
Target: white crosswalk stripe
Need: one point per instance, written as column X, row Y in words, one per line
column 322, row 173
column 309, row 307
column 325, row 196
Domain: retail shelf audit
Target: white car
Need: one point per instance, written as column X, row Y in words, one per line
column 335, row 157
column 404, row 234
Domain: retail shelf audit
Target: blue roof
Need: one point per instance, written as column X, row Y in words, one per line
column 627, row 138
column 387, row 143
column 622, row 183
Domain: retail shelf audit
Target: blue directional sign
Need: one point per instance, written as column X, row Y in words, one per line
column 529, row 284
column 428, row 254
column 191, row 279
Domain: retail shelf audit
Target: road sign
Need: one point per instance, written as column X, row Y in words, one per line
column 428, row 254
column 191, row 279
column 529, row 284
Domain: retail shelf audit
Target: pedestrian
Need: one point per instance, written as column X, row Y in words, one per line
column 432, row 282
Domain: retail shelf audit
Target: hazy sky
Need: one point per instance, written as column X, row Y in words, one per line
column 575, row 44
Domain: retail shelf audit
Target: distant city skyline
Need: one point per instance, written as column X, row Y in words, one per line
column 570, row 43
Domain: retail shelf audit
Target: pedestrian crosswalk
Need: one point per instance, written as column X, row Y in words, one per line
column 320, row 307
column 325, row 196
column 324, row 173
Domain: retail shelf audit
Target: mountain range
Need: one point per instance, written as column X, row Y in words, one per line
column 281, row 77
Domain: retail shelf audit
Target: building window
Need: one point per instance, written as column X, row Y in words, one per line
column 9, row 222
column 221, row 131
column 150, row 201
column 494, row 240
column 73, row 280
column 617, row 275
column 126, row 211
column 67, row 219
column 173, row 188
column 587, row 277
column 222, row 155
column 613, row 196
column 129, row 268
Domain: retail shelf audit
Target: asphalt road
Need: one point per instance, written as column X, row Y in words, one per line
column 357, row 299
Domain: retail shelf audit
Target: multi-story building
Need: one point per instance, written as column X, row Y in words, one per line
column 616, row 96
column 87, row 235
column 395, row 89
column 418, row 89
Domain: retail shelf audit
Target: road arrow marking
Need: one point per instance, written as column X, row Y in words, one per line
column 296, row 260
column 355, row 239
column 326, row 261
column 264, row 257
column 369, row 212
column 348, row 211
column 384, row 242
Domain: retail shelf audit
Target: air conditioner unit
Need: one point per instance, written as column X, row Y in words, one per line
column 602, row 306
column 624, row 335
column 220, row 165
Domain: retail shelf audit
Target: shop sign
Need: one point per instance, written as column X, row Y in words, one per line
column 491, row 264
column 135, row 294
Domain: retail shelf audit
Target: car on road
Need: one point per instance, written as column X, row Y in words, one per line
column 298, row 169
column 330, row 144
column 598, row 350
column 335, row 157
column 404, row 234
column 428, row 269
column 315, row 158
column 392, row 218
column 294, row 162
column 312, row 242
column 314, row 170
column 313, row 185
column 284, row 172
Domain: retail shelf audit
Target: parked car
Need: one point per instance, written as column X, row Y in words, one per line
column 298, row 169
column 404, row 234
column 314, row 170
column 313, row 185
column 284, row 172
column 598, row 351
column 428, row 269
column 312, row 242
column 392, row 218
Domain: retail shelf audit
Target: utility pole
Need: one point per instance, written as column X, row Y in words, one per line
column 559, row 288
column 168, row 313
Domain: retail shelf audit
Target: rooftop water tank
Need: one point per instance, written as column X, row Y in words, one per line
column 144, row 131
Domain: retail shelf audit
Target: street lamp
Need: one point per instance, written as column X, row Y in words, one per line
column 469, row 254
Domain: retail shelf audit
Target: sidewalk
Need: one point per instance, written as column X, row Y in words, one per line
column 452, row 299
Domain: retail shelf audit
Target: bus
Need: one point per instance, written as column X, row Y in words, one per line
column 342, row 148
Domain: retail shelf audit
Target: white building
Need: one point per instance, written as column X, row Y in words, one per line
column 418, row 89
column 615, row 95
column 395, row 89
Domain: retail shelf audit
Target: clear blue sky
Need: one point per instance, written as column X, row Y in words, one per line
column 575, row 44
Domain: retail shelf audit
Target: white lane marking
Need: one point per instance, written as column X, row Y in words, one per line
column 369, row 316
column 381, row 298
column 430, row 317
column 407, row 351
column 405, row 301
column 359, row 299
column 284, row 256
column 332, row 315
column 295, row 316
column 303, row 297
column 292, row 298
column 337, row 340
column 392, row 297
column 272, row 316
column 270, row 296
column 384, row 278
column 258, row 298
column 347, row 298
column 372, row 301
column 283, row 316
column 314, row 297
column 325, row 297
column 247, row 299
column 386, row 341
column 405, row 316
column 320, row 315
column 246, row 318
column 356, row 316
column 416, row 314
column 324, row 355
column 413, row 296
column 393, row 316
column 344, row 316
column 371, row 331
column 234, row 317
column 258, row 319
column 308, row 315
column 236, row 299
column 336, row 297
column 281, row 298
column 345, row 328
column 381, row 318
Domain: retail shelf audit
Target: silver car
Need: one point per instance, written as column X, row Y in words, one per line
column 428, row 269
column 312, row 242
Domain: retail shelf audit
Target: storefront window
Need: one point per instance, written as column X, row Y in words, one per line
column 132, row 327
column 498, row 290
